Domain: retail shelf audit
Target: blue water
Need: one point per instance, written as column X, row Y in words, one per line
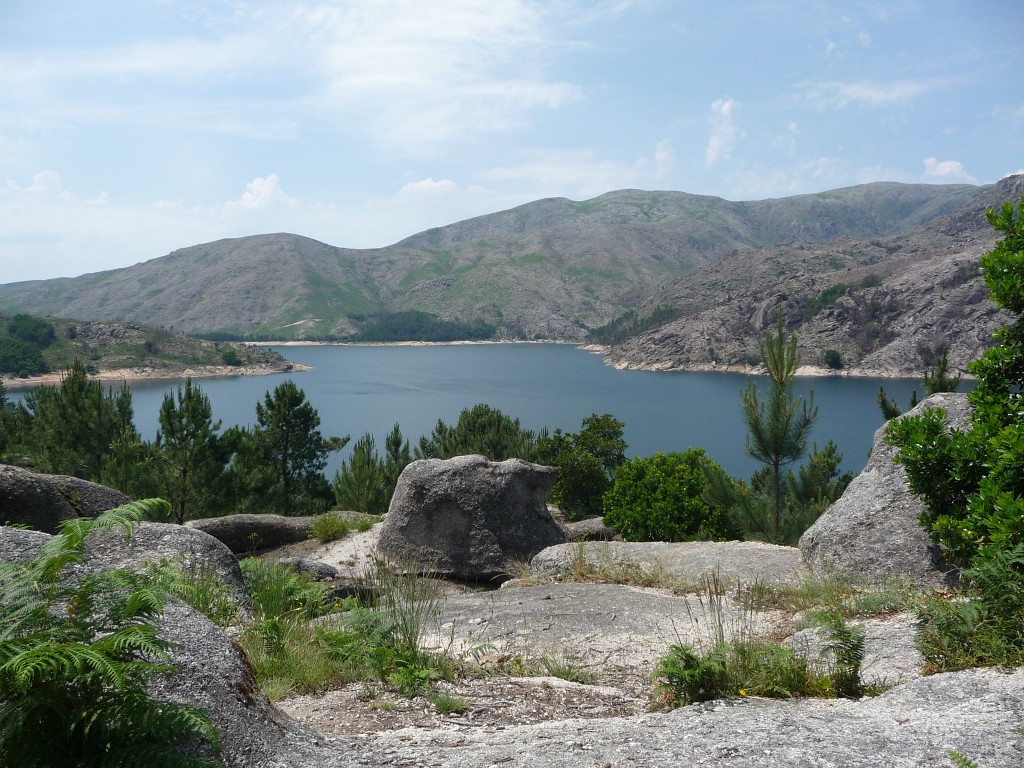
column 359, row 389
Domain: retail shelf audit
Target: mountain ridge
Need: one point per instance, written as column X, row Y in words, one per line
column 554, row 268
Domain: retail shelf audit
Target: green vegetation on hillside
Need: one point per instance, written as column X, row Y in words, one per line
column 420, row 326
column 632, row 324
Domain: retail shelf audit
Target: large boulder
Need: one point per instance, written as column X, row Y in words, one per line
column 44, row 501
column 251, row 533
column 872, row 532
column 196, row 552
column 468, row 517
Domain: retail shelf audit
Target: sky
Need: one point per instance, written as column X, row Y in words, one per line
column 131, row 128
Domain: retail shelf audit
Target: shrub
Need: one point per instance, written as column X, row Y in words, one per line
column 76, row 657
column 330, row 526
column 659, row 499
column 971, row 480
column 984, row 629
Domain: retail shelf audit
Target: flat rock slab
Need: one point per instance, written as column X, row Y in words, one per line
column 977, row 712
column 744, row 562
column 600, row 627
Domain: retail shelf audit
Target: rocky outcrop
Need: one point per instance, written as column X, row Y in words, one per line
column 244, row 534
column 886, row 305
column 872, row 532
column 44, row 501
column 468, row 517
column 589, row 529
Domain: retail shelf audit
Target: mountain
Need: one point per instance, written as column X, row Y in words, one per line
column 888, row 306
column 550, row 269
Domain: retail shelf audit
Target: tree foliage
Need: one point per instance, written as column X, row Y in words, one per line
column 480, row 430
column 779, row 422
column 76, row 656
column 74, row 425
column 660, row 498
column 972, row 480
column 190, row 454
column 586, row 462
column 288, row 438
column 360, row 485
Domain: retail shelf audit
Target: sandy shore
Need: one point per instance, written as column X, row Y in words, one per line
column 115, row 376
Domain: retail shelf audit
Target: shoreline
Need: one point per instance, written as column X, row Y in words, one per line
column 127, row 375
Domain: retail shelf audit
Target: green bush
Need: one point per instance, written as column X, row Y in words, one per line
column 76, row 657
column 986, row 628
column 972, row 480
column 480, row 430
column 660, row 499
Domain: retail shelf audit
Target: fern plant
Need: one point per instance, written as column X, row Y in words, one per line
column 76, row 654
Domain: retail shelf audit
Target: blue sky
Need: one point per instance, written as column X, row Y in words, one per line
column 130, row 128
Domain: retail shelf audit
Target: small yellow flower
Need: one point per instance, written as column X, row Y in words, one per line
column 742, row 692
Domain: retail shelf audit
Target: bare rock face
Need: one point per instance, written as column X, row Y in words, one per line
column 468, row 517
column 250, row 533
column 872, row 532
column 44, row 501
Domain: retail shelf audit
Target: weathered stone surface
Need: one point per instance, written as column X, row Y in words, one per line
column 976, row 712
column 688, row 562
column 872, row 532
column 252, row 533
column 588, row 529
column 44, row 501
column 153, row 542
column 468, row 517
column 17, row 544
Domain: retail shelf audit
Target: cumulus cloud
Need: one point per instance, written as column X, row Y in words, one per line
column 261, row 193
column 724, row 130
column 947, row 171
column 429, row 187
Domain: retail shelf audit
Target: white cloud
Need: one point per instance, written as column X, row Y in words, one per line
column 947, row 171
column 261, row 193
column 724, row 130
column 414, row 73
column 868, row 93
column 864, row 38
column 428, row 187
column 582, row 174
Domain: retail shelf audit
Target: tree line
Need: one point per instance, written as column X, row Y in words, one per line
column 82, row 429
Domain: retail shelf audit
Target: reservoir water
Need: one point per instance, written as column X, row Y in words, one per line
column 358, row 389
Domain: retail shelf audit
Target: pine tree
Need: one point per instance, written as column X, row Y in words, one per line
column 777, row 424
column 288, row 437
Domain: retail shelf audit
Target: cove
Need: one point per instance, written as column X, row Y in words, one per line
column 358, row 389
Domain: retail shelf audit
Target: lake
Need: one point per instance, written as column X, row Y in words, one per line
column 358, row 389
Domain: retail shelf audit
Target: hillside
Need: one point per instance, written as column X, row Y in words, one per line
column 117, row 351
column 549, row 269
column 888, row 306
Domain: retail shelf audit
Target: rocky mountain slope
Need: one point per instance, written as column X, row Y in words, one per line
column 888, row 306
column 553, row 268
